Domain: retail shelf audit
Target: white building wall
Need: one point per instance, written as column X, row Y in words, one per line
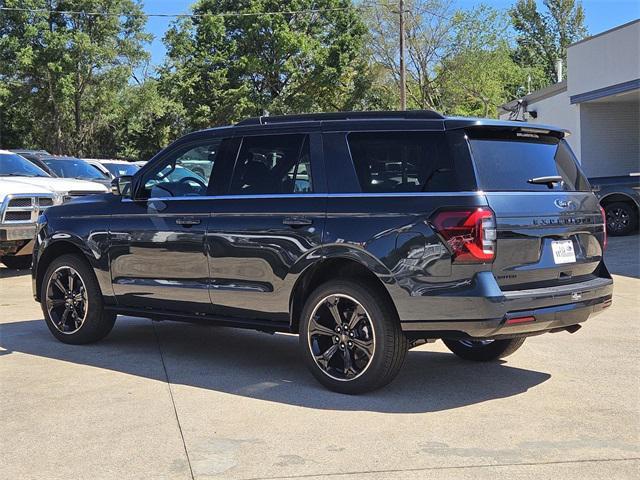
column 609, row 59
column 610, row 138
column 558, row 111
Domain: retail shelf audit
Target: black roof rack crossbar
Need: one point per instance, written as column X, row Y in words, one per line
column 316, row 117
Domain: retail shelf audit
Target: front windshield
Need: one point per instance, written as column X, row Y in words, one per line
column 12, row 165
column 73, row 168
column 120, row 169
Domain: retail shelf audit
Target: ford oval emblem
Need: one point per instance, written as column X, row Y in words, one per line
column 560, row 203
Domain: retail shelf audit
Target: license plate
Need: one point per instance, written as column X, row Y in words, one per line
column 563, row 251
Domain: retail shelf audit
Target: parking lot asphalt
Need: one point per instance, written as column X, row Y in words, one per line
column 166, row 400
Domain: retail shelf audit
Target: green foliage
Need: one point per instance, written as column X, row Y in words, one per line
column 481, row 74
column 69, row 83
column 429, row 38
column 543, row 37
column 61, row 73
column 223, row 68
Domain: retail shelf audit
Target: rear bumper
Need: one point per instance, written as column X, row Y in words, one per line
column 549, row 309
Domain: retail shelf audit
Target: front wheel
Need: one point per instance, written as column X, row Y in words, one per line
column 484, row 350
column 351, row 338
column 71, row 302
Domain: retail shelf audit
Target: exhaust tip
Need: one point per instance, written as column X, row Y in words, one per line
column 573, row 328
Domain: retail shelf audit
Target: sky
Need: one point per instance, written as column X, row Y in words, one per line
column 600, row 15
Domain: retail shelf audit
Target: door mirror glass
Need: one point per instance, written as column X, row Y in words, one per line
column 121, row 186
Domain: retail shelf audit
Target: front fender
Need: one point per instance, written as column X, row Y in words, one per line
column 74, row 236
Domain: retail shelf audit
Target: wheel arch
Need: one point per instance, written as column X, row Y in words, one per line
column 618, row 197
column 50, row 253
column 337, row 267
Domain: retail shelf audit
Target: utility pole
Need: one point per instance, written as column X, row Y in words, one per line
column 403, row 82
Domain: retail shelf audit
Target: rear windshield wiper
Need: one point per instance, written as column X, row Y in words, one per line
column 548, row 181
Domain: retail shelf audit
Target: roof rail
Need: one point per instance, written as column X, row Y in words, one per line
column 317, row 117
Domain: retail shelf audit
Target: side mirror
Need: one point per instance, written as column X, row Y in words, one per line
column 121, row 186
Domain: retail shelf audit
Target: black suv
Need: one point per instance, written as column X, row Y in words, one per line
column 366, row 233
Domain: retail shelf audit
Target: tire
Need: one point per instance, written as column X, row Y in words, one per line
column 622, row 218
column 86, row 301
column 373, row 341
column 479, row 351
column 17, row 262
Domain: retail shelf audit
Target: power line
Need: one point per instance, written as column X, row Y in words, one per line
column 187, row 15
column 203, row 15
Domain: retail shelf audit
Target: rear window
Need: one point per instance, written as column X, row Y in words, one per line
column 512, row 161
column 402, row 162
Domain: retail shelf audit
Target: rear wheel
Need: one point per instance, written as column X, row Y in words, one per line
column 622, row 218
column 17, row 262
column 484, row 350
column 351, row 338
column 72, row 302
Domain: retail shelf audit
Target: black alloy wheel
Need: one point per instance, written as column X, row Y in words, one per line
column 66, row 301
column 484, row 350
column 72, row 302
column 341, row 337
column 350, row 336
column 621, row 217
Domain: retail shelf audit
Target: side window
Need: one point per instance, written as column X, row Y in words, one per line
column 402, row 162
column 186, row 171
column 273, row 164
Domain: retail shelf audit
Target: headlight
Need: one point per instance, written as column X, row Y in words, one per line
column 42, row 219
column 58, row 198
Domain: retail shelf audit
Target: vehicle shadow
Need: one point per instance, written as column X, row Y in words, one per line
column 9, row 273
column 269, row 367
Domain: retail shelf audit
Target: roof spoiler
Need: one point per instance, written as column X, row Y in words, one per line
column 525, row 127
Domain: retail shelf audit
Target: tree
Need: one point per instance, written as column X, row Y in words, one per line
column 224, row 67
column 429, row 33
column 543, row 37
column 147, row 121
column 62, row 71
column 481, row 74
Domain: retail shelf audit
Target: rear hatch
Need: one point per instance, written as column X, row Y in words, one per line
column 549, row 224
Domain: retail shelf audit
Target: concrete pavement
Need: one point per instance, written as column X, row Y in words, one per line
column 168, row 400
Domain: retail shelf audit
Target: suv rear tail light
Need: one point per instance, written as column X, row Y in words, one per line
column 604, row 228
column 470, row 234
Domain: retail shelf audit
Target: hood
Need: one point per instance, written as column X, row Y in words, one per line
column 58, row 185
column 8, row 187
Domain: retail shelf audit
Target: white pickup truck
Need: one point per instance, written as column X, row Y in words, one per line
column 25, row 192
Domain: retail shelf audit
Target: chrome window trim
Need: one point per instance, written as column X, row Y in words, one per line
column 311, row 195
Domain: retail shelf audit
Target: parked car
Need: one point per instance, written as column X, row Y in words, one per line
column 25, row 192
column 113, row 168
column 20, row 206
column 620, row 198
column 24, row 152
column 35, row 157
column 408, row 227
column 72, row 167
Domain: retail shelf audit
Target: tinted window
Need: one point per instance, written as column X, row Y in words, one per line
column 73, row 168
column 402, row 162
column 120, row 169
column 14, row 165
column 273, row 164
column 172, row 178
column 508, row 161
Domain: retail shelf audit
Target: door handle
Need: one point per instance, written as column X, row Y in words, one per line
column 187, row 221
column 297, row 221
